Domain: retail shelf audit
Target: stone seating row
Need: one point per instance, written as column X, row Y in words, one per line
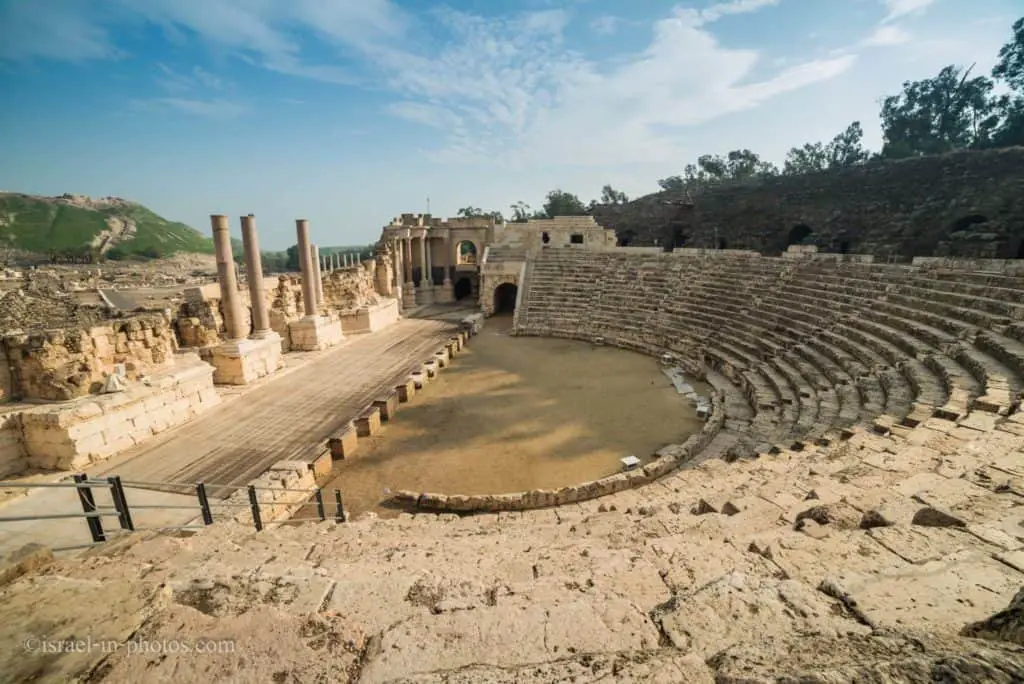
column 826, row 362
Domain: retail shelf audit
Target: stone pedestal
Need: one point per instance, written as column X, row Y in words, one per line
column 446, row 293
column 408, row 297
column 425, row 295
column 313, row 333
column 240, row 362
column 369, row 319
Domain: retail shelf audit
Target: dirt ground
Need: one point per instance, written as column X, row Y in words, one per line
column 518, row 413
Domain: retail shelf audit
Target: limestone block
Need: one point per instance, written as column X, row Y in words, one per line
column 344, row 443
column 388, row 405
column 368, row 422
column 406, row 391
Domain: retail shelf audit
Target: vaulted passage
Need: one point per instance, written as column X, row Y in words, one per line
column 463, row 288
column 798, row 234
column 505, row 298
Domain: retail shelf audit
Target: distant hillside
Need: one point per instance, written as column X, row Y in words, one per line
column 75, row 225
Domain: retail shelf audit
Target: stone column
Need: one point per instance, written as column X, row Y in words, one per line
column 231, row 303
column 306, row 264
column 430, row 263
column 254, row 269
column 398, row 265
column 424, row 278
column 447, row 291
column 317, row 279
column 407, row 259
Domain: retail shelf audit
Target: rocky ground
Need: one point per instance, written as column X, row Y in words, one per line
column 57, row 296
column 876, row 559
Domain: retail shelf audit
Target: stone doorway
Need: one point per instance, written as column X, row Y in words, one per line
column 505, row 298
column 463, row 288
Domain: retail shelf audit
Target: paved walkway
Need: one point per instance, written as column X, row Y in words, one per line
column 287, row 418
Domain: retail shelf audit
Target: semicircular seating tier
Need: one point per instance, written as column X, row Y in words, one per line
column 800, row 349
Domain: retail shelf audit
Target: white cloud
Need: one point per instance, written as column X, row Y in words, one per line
column 525, row 99
column 192, row 93
column 504, row 88
column 901, row 8
column 719, row 10
column 885, row 36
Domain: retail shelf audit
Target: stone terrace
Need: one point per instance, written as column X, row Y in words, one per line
column 798, row 347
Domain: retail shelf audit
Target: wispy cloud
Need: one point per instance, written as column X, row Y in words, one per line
column 500, row 87
column 901, row 8
column 63, row 30
column 605, row 25
column 887, row 36
column 197, row 92
column 523, row 98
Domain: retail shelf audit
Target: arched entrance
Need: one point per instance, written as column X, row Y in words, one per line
column 463, row 288
column 505, row 298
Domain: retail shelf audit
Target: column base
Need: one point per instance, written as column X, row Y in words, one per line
column 314, row 333
column 240, row 362
column 425, row 295
column 408, row 297
column 446, row 293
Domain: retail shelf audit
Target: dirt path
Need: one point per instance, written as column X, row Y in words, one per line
column 516, row 413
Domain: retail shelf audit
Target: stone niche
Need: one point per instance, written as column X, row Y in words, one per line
column 63, row 364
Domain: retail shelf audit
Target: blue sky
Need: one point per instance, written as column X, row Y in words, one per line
column 349, row 112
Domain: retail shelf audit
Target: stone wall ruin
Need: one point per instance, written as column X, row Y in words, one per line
column 964, row 204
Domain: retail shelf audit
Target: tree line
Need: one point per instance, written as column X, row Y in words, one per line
column 951, row 111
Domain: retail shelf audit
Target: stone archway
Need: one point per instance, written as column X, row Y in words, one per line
column 463, row 288
column 505, row 298
column 465, row 252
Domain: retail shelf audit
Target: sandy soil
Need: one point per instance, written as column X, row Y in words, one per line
column 517, row 413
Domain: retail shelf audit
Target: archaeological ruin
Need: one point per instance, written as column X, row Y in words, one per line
column 835, row 491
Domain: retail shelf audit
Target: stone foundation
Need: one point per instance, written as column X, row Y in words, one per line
column 77, row 434
column 245, row 361
column 344, row 443
column 314, row 333
column 64, row 364
column 370, row 318
column 13, row 458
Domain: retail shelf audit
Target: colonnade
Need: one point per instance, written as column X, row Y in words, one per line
column 416, row 246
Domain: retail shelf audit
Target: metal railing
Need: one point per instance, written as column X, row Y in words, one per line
column 93, row 513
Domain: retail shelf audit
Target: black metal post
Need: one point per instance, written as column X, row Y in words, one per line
column 89, row 506
column 124, row 516
column 339, row 512
column 204, row 503
column 320, row 504
column 255, row 504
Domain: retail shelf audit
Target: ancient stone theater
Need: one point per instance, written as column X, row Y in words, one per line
column 758, row 434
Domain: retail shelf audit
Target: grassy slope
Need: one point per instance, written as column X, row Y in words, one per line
column 40, row 226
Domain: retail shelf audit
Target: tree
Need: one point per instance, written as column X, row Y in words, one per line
column 807, row 159
column 520, row 212
column 1010, row 67
column 610, row 195
column 561, row 203
column 292, row 258
column 844, row 150
column 1009, row 70
column 471, row 211
column 672, row 184
column 949, row 112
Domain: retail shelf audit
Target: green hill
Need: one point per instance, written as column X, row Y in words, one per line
column 75, row 225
